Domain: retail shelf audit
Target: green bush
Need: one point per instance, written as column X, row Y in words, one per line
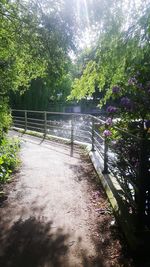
column 5, row 119
column 8, row 158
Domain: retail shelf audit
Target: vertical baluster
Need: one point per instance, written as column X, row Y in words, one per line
column 105, row 171
column 72, row 134
column 45, row 123
column 93, row 128
column 26, row 120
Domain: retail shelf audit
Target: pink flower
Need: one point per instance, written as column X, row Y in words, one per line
column 111, row 109
column 126, row 102
column 132, row 81
column 107, row 133
column 116, row 89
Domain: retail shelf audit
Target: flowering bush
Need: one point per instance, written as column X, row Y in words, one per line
column 107, row 133
column 116, row 89
column 128, row 124
column 111, row 109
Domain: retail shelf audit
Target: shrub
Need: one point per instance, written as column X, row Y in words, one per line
column 8, row 158
column 5, row 119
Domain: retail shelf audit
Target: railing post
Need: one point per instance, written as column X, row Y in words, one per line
column 93, row 128
column 45, row 123
column 72, row 134
column 26, row 120
column 105, row 171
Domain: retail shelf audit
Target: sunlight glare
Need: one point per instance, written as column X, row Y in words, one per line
column 87, row 13
column 83, row 10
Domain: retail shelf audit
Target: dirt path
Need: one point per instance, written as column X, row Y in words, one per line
column 54, row 215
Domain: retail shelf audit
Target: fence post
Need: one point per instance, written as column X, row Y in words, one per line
column 72, row 134
column 45, row 123
column 26, row 120
column 93, row 128
column 105, row 171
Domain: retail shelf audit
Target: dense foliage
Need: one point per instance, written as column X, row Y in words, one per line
column 8, row 158
column 35, row 39
column 20, row 60
column 120, row 59
column 54, row 29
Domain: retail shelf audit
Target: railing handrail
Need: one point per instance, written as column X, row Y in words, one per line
column 50, row 112
column 98, row 119
column 78, row 114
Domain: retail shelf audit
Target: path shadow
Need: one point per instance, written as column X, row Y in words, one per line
column 109, row 240
column 35, row 243
column 121, row 254
column 32, row 243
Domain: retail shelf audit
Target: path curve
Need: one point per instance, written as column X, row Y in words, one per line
column 49, row 218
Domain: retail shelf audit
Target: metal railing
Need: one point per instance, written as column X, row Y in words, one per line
column 83, row 128
column 131, row 175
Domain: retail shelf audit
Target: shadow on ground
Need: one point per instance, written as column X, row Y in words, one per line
column 30, row 243
column 34, row 243
column 109, row 240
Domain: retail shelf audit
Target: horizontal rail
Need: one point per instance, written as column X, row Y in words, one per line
column 35, row 119
column 58, row 127
column 34, row 127
column 97, row 119
column 95, row 140
column 57, row 123
column 100, row 152
column 17, row 117
column 128, row 179
column 84, row 131
column 22, row 121
column 35, row 123
column 18, row 124
column 99, row 135
column 52, row 113
column 84, row 137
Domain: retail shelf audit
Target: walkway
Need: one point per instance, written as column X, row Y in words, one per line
column 53, row 215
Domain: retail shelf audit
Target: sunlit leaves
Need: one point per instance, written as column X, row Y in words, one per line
column 121, row 53
column 85, row 86
column 19, row 45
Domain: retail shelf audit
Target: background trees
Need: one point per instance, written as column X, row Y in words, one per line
column 19, row 62
column 35, row 39
column 120, row 58
column 20, row 48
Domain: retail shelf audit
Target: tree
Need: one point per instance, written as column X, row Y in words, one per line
column 20, row 60
column 122, row 53
column 55, row 31
column 35, row 41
